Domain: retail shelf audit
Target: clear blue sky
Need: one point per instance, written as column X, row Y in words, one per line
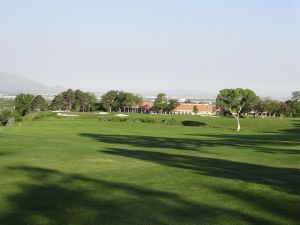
column 155, row 45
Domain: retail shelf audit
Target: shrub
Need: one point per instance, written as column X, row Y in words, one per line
column 7, row 116
column 171, row 121
column 39, row 116
column 118, row 119
column 148, row 120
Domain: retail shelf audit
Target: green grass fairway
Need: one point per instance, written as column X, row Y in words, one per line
column 82, row 171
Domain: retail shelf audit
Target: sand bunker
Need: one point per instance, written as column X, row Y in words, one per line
column 121, row 115
column 101, row 113
column 63, row 114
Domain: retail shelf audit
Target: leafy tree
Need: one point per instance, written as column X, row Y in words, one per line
column 109, row 101
column 39, row 104
column 296, row 96
column 23, row 103
column 133, row 100
column 88, row 102
column 160, row 103
column 171, row 105
column 74, row 100
column 84, row 101
column 295, row 103
column 295, row 108
column 58, row 103
column 234, row 100
column 270, row 106
column 284, row 109
column 69, row 98
column 195, row 109
column 188, row 101
column 138, row 99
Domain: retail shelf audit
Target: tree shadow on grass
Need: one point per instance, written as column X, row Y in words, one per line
column 55, row 198
column 266, row 143
column 4, row 153
column 276, row 142
column 295, row 130
column 280, row 206
column 150, row 141
column 261, row 143
column 282, row 179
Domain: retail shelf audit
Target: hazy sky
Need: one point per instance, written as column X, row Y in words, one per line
column 179, row 46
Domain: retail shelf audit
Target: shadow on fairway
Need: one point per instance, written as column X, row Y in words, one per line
column 268, row 143
column 150, row 141
column 295, row 129
column 55, row 198
column 282, row 179
column 4, row 153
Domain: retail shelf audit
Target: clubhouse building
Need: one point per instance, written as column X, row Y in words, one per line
column 182, row 109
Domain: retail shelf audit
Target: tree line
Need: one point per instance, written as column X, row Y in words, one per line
column 236, row 102
column 239, row 102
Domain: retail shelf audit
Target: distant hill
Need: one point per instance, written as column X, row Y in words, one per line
column 14, row 84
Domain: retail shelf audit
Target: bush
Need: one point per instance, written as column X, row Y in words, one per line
column 171, row 121
column 118, row 119
column 39, row 116
column 147, row 120
column 8, row 116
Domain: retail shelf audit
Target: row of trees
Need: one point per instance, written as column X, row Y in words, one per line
column 74, row 100
column 22, row 105
column 27, row 103
column 237, row 102
column 244, row 101
column 68, row 100
column 119, row 100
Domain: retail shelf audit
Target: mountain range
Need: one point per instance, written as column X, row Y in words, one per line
column 14, row 84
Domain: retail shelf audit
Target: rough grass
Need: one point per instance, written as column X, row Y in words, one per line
column 60, row 171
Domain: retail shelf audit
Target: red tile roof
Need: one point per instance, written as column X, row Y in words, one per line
column 190, row 107
column 146, row 105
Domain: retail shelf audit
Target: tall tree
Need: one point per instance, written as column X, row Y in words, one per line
column 69, row 98
column 58, row 103
column 295, row 103
column 160, row 103
column 109, row 101
column 234, row 100
column 23, row 103
column 171, row 105
column 124, row 100
column 39, row 104
column 195, row 110
column 284, row 109
column 296, row 96
column 270, row 106
column 87, row 102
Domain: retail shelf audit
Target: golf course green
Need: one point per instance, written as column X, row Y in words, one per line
column 150, row 170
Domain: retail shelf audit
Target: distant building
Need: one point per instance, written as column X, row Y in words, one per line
column 182, row 109
column 203, row 109
column 146, row 107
